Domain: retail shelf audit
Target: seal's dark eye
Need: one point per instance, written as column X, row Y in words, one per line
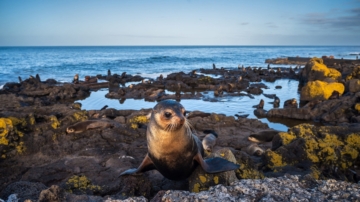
column 167, row 114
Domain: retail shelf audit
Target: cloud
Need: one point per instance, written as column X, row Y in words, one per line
column 351, row 21
column 244, row 23
column 271, row 25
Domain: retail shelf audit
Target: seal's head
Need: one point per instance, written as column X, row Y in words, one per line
column 169, row 115
column 70, row 130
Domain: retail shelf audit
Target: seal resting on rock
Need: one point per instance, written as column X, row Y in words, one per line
column 88, row 125
column 263, row 136
column 173, row 149
column 209, row 140
column 292, row 103
column 254, row 150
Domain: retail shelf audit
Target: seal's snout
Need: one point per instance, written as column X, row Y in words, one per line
column 182, row 120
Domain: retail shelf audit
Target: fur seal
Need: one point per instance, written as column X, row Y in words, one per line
column 276, row 102
column 76, row 79
column 173, row 149
column 260, row 105
column 209, row 140
column 87, row 125
column 263, row 136
column 292, row 103
column 254, row 150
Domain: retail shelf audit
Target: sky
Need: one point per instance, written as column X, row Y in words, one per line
column 176, row 22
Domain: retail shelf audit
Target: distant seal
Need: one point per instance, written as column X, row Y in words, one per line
column 276, row 102
column 263, row 136
column 76, row 79
column 334, row 95
column 38, row 77
column 292, row 103
column 260, row 105
column 254, row 150
column 209, row 140
column 172, row 148
column 88, row 125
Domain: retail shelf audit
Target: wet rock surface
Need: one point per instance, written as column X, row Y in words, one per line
column 41, row 161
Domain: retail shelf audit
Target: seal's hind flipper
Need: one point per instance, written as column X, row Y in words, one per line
column 145, row 165
column 216, row 164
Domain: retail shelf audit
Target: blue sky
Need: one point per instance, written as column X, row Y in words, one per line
column 170, row 22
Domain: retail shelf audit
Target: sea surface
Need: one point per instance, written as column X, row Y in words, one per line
column 62, row 63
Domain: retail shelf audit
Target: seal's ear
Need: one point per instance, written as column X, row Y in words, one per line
column 148, row 116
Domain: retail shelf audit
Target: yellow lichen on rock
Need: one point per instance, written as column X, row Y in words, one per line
column 206, row 80
column 18, row 121
column 286, row 137
column 357, row 107
column 20, row 148
column 81, row 183
column 196, row 188
column 353, row 140
column 6, row 125
column 216, row 180
column 246, row 172
column 320, row 90
column 315, row 173
column 311, row 146
column 318, row 65
column 80, row 115
column 202, row 178
column 330, row 140
column 134, row 121
column 275, row 159
column 54, row 122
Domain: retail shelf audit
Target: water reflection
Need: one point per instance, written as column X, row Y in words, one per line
column 228, row 105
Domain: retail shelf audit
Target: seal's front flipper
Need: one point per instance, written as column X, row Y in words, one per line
column 145, row 165
column 216, row 164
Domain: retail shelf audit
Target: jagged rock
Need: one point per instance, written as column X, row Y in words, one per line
column 287, row 188
column 353, row 85
column 200, row 180
column 317, row 149
column 315, row 69
column 24, row 190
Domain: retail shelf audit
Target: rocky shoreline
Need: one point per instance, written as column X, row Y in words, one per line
column 40, row 161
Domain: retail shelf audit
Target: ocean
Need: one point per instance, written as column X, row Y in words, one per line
column 62, row 63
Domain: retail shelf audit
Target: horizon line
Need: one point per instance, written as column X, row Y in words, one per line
column 159, row 45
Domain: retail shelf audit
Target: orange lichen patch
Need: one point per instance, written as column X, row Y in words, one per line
column 320, row 90
column 6, row 126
